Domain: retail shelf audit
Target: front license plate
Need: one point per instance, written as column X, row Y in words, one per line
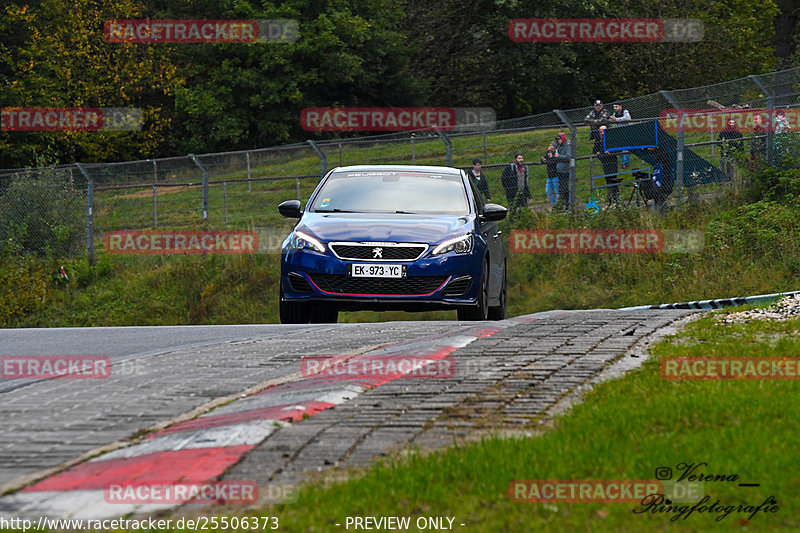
column 366, row 270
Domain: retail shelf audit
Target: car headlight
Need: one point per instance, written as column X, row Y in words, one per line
column 459, row 245
column 299, row 240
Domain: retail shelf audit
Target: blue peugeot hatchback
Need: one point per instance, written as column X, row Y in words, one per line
column 386, row 237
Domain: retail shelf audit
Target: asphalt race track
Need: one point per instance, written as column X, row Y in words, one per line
column 202, row 403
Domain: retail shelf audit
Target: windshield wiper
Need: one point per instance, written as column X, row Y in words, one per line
column 334, row 211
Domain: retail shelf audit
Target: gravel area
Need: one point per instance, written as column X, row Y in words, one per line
column 786, row 308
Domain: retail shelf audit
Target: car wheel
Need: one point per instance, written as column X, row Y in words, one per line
column 480, row 311
column 322, row 313
column 293, row 312
column 499, row 312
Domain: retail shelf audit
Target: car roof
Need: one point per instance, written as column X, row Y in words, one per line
column 384, row 168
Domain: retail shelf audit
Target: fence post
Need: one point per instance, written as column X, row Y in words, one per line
column 323, row 159
column 205, row 187
column 155, row 207
column 89, row 213
column 249, row 183
column 771, row 123
column 225, row 194
column 573, row 174
column 155, row 193
column 448, row 146
column 413, row 152
column 485, row 152
column 679, row 156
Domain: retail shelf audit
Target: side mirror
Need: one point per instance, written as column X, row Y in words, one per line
column 494, row 212
column 290, row 209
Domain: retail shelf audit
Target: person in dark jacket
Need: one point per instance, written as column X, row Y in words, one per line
column 515, row 182
column 609, row 163
column 551, row 163
column 732, row 142
column 758, row 146
column 597, row 117
column 479, row 179
column 563, row 157
column 621, row 116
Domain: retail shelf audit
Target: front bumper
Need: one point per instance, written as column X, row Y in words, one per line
column 440, row 281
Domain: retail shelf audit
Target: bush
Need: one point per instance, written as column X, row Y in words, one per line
column 22, row 288
column 764, row 228
column 773, row 184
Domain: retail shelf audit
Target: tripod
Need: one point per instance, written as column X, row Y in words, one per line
column 636, row 193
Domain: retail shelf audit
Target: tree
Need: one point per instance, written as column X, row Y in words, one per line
column 58, row 57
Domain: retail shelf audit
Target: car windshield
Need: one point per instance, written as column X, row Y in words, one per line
column 392, row 192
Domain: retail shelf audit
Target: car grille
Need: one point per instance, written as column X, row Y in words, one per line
column 415, row 285
column 298, row 283
column 458, row 286
column 359, row 251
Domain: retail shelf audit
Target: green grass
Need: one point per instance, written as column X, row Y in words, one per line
column 256, row 205
column 748, row 249
column 624, row 429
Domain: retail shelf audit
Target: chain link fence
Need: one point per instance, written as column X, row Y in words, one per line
column 64, row 209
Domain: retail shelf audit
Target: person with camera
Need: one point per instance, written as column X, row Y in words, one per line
column 609, row 164
column 550, row 162
column 563, row 156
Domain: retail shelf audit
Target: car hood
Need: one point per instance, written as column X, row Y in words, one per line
column 390, row 227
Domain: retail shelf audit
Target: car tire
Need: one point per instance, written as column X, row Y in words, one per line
column 322, row 313
column 480, row 311
column 499, row 312
column 293, row 312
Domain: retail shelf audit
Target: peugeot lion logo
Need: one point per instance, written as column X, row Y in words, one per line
column 377, row 253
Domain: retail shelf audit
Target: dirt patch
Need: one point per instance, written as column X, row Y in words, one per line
column 159, row 191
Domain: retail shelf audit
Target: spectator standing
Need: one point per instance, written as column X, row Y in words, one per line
column 597, row 117
column 782, row 129
column 479, row 179
column 515, row 182
column 609, row 163
column 732, row 142
column 781, row 124
column 563, row 156
column 621, row 116
column 758, row 146
column 551, row 185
